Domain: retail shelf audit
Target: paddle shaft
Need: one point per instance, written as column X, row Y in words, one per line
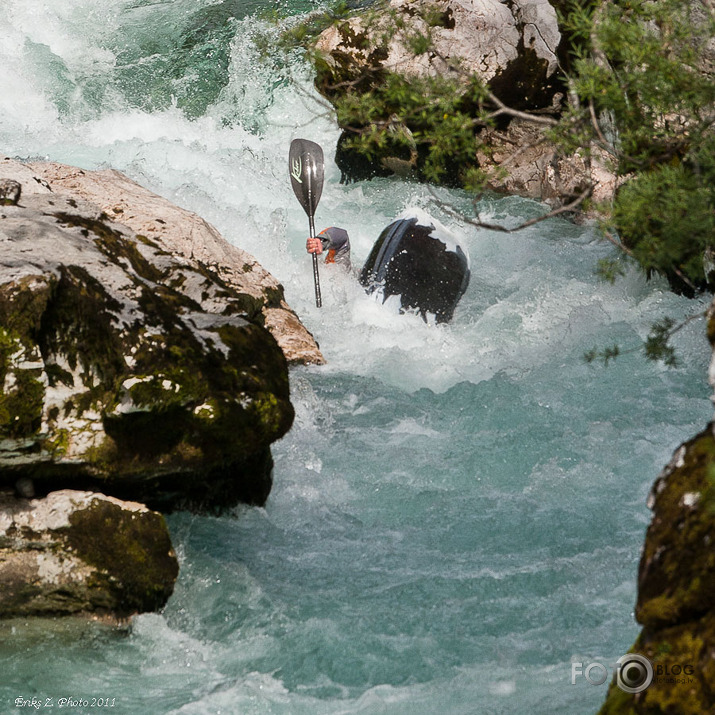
column 316, row 276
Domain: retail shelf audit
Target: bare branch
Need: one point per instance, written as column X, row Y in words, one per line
column 456, row 213
column 605, row 144
column 620, row 246
column 503, row 109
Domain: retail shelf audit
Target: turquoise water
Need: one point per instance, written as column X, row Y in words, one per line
column 458, row 510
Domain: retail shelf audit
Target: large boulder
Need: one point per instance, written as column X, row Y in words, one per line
column 127, row 369
column 82, row 553
column 182, row 233
column 512, row 46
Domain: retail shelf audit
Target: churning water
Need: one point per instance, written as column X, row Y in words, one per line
column 458, row 510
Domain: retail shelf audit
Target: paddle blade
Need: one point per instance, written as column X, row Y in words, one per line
column 305, row 163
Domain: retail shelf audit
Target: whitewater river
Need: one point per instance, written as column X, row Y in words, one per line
column 458, row 510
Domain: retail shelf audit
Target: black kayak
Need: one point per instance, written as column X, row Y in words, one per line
column 419, row 262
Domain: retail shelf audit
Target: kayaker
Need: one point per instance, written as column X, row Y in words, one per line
column 335, row 241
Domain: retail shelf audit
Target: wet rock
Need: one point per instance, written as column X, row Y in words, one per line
column 128, row 370
column 80, row 552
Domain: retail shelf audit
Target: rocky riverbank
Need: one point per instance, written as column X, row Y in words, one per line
column 141, row 357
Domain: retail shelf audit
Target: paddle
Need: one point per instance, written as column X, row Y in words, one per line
column 305, row 163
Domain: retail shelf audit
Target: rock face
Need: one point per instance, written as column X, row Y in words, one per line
column 125, row 368
column 500, row 42
column 79, row 552
column 521, row 160
column 513, row 47
column 181, row 233
column 676, row 583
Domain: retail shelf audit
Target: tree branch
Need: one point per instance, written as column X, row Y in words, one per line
column 456, row 213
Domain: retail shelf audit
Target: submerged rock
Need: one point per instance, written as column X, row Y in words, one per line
column 127, row 369
column 79, row 552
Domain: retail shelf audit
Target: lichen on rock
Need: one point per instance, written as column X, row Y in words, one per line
column 78, row 552
column 128, row 370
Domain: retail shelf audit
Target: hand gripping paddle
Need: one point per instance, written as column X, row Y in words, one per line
column 305, row 163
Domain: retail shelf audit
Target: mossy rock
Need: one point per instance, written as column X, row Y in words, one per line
column 676, row 583
column 114, row 378
column 676, row 579
column 684, row 672
column 79, row 552
column 131, row 552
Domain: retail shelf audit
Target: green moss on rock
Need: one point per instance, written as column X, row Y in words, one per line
column 22, row 395
column 687, row 648
column 141, row 390
column 672, row 588
column 22, row 305
column 131, row 551
column 676, row 584
column 112, row 243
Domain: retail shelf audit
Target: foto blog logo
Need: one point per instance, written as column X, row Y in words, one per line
column 634, row 672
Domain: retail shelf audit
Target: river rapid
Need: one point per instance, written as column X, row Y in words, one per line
column 458, row 510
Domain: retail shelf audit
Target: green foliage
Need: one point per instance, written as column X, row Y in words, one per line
column 605, row 355
column 657, row 347
column 308, row 30
column 639, row 70
column 609, row 269
column 666, row 217
column 425, row 115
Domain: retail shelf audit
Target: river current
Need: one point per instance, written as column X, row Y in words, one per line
column 458, row 510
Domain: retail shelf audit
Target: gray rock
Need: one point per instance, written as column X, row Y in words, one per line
column 181, row 233
column 483, row 36
column 80, row 552
column 535, row 169
column 128, row 370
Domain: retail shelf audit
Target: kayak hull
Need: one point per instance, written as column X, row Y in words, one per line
column 413, row 259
